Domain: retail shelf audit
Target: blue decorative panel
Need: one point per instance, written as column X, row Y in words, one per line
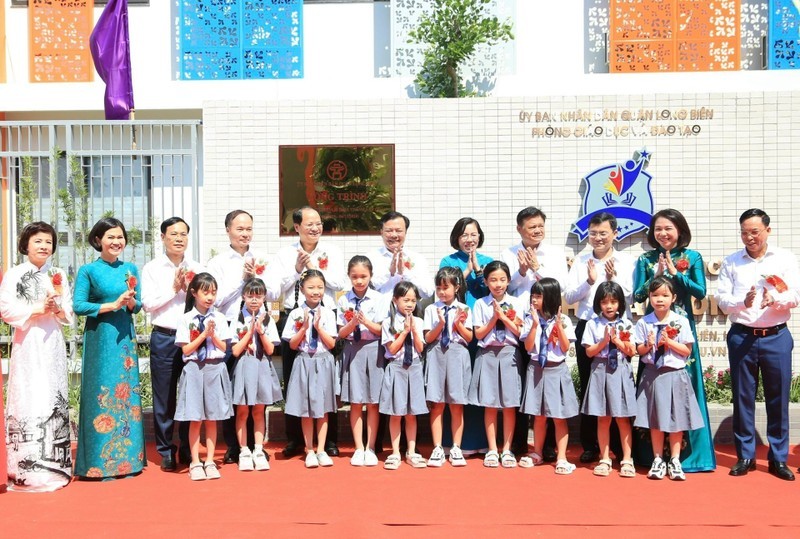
column 784, row 34
column 240, row 39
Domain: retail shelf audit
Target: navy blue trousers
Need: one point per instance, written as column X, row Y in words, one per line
column 166, row 364
column 772, row 356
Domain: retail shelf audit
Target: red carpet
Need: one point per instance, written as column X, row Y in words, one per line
column 343, row 501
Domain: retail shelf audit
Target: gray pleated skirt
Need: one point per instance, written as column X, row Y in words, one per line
column 403, row 389
column 610, row 394
column 666, row 401
column 496, row 381
column 448, row 373
column 549, row 391
column 362, row 372
column 255, row 381
column 312, row 385
column 204, row 392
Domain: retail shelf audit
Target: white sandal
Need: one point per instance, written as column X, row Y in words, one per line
column 530, row 460
column 564, row 467
column 491, row 459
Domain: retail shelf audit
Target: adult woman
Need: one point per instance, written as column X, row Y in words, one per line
column 110, row 437
column 466, row 238
column 3, row 472
column 669, row 235
column 35, row 300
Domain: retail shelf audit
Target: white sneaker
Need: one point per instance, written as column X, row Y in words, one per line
column 676, row 470
column 358, row 458
column 245, row 460
column 457, row 457
column 437, row 457
column 260, row 461
column 658, row 470
column 324, row 459
column 370, row 458
column 311, row 460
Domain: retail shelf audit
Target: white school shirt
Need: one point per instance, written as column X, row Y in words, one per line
column 183, row 332
column 327, row 321
column 552, row 263
column 740, row 271
column 240, row 328
column 286, row 275
column 596, row 331
column 431, row 320
column 649, row 323
column 482, row 312
column 579, row 291
column 388, row 336
column 227, row 268
column 373, row 305
column 158, row 297
column 416, row 270
column 554, row 353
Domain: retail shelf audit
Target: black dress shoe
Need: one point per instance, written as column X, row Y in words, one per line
column 589, row 456
column 743, row 466
column 231, row 456
column 184, row 456
column 549, row 454
column 780, row 470
column 292, row 448
column 331, row 449
column 168, row 463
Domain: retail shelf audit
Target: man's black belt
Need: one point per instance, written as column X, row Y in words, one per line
column 758, row 332
column 171, row 332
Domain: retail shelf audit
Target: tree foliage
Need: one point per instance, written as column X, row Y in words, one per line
column 453, row 31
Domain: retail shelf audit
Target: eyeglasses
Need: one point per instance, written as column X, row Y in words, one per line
column 600, row 235
column 752, row 233
column 469, row 236
column 176, row 235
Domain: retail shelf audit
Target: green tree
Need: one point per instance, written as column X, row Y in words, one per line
column 453, row 31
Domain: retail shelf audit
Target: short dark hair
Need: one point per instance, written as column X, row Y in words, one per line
column 495, row 265
column 460, row 227
column 101, row 227
column 297, row 215
column 529, row 212
column 233, row 215
column 391, row 215
column 609, row 289
column 754, row 212
column 31, row 230
column 550, row 291
column 677, row 219
column 172, row 221
column 660, row 281
column 604, row 217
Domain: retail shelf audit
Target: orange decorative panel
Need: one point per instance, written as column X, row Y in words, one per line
column 58, row 40
column 674, row 35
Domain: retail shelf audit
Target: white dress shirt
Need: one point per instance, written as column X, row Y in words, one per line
column 228, row 269
column 373, row 305
column 166, row 307
column 431, row 320
column 189, row 321
column 295, row 321
column 286, row 275
column 649, row 323
column 415, row 270
column 482, row 312
column 552, row 263
column 740, row 272
column 554, row 352
column 390, row 328
column 579, row 290
column 239, row 328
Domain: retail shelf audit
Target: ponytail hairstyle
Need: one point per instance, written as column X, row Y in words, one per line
column 361, row 260
column 401, row 289
column 455, row 277
column 307, row 274
column 550, row 291
column 202, row 281
column 609, row 289
column 252, row 286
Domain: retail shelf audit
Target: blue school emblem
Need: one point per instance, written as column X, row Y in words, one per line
column 622, row 190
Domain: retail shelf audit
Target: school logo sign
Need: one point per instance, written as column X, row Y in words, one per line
column 622, row 190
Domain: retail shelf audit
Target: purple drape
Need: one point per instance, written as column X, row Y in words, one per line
column 110, row 48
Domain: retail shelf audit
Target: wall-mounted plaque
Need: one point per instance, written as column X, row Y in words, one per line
column 350, row 186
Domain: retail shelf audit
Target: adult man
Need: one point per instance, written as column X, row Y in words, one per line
column 164, row 282
column 393, row 263
column 757, row 287
column 309, row 252
column 231, row 268
column 530, row 260
column 588, row 271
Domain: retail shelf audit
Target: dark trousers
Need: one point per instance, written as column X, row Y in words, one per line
column 166, row 363
column 294, row 430
column 772, row 355
column 588, row 426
